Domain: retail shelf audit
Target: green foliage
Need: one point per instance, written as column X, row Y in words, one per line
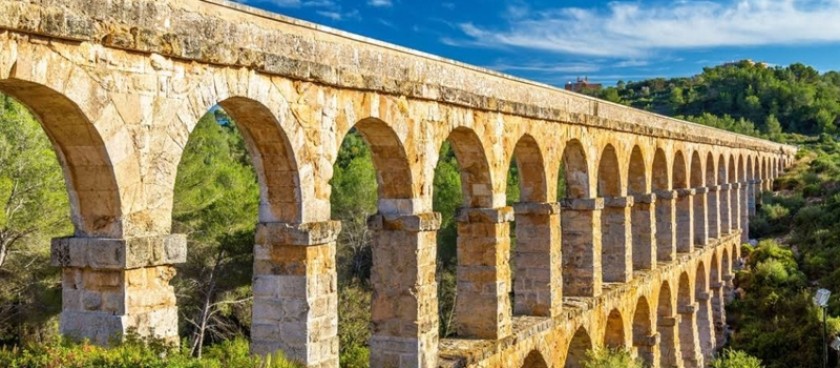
column 746, row 97
column 610, row 358
column 65, row 354
column 736, row 359
column 216, row 202
column 35, row 209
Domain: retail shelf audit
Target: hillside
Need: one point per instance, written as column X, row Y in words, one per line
column 745, row 97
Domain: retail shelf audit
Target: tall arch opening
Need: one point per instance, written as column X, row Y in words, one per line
column 616, row 251
column 687, row 326
column 580, row 344
column 718, row 318
column 665, row 211
column 701, row 234
column 684, row 220
column 724, row 196
column 667, row 327
column 534, row 360
column 713, row 198
column 643, row 218
column 705, row 323
column 614, row 332
column 478, row 299
column 535, row 277
column 580, row 216
column 734, row 194
column 643, row 338
column 36, row 188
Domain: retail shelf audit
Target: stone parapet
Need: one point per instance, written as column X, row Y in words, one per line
column 119, row 254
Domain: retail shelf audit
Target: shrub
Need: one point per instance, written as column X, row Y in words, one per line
column 736, row 359
column 66, row 354
column 610, row 358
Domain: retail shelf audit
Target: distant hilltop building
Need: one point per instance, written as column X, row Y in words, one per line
column 582, row 84
column 749, row 62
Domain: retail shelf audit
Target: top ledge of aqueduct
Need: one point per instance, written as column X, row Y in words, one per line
column 225, row 33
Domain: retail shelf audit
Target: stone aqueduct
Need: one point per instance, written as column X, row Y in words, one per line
column 640, row 253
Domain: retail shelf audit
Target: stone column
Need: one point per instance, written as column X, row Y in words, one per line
column 404, row 303
column 581, row 224
column 666, row 236
column 295, row 293
column 713, row 212
column 616, row 241
column 482, row 309
column 644, row 232
column 689, row 340
column 538, row 286
column 669, row 349
column 112, row 286
column 751, row 193
column 685, row 220
column 701, row 228
column 647, row 349
column 705, row 324
column 718, row 312
column 725, row 223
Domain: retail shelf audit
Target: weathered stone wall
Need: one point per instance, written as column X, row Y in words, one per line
column 119, row 85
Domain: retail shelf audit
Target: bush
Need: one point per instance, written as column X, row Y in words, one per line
column 610, row 358
column 66, row 354
column 736, row 359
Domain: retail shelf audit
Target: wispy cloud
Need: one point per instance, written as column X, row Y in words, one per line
column 380, row 3
column 636, row 29
column 545, row 67
column 337, row 15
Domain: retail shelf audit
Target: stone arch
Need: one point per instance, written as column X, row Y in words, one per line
column 661, row 184
column 536, row 284
column 643, row 337
column 659, row 172
column 696, row 181
column 534, row 360
column 393, row 173
column 89, row 172
column 273, row 159
column 614, row 331
column 712, row 198
column 637, row 183
column 482, row 309
column 705, row 322
column 609, row 175
column 689, row 348
column 667, row 328
column 716, row 292
column 616, row 255
column 642, row 219
column 476, row 181
column 576, row 170
column 680, row 173
column 529, row 160
column 684, row 211
column 576, row 353
column 579, row 220
column 724, row 195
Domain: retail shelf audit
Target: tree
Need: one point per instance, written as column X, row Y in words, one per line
column 772, row 127
column 35, row 209
column 216, row 202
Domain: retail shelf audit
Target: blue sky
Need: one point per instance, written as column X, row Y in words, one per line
column 556, row 41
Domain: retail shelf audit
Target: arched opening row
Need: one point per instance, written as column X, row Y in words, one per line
column 495, row 261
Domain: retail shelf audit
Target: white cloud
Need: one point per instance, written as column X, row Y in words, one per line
column 380, row 3
column 637, row 29
column 337, row 15
column 544, row 67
